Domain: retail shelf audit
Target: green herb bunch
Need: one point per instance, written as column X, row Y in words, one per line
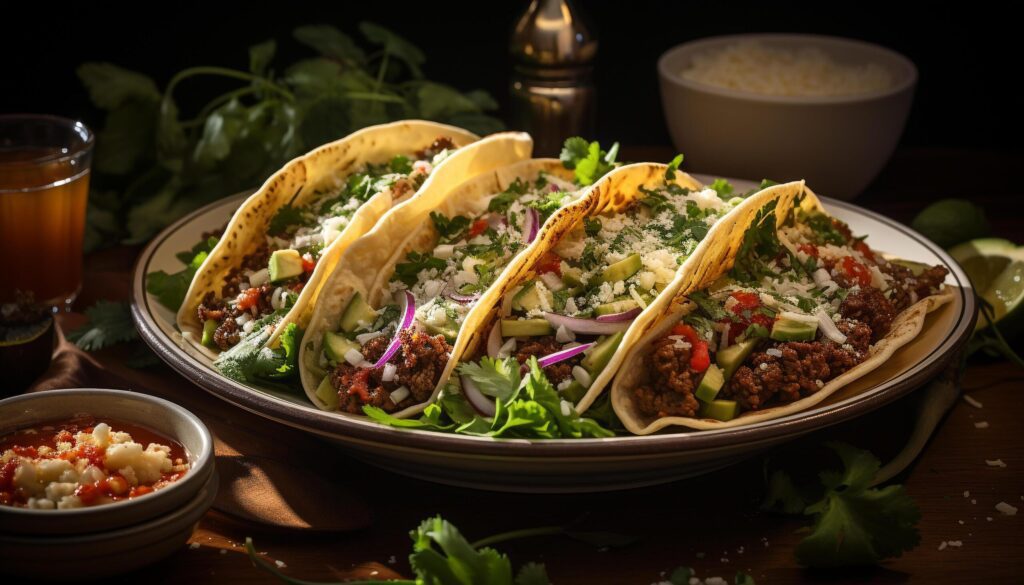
column 153, row 163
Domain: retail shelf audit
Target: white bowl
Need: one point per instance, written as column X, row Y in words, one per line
column 838, row 144
column 149, row 412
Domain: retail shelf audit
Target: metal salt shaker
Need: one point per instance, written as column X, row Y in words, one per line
column 552, row 89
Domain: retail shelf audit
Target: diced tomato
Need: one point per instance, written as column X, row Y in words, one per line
column 249, row 298
column 140, row 491
column 116, row 486
column 745, row 301
column 549, row 262
column 25, row 451
column 864, row 249
column 700, row 359
column 87, row 493
column 94, row 455
column 809, row 249
column 360, row 384
column 297, row 286
column 64, row 437
column 7, row 474
column 855, row 272
column 308, row 264
column 479, row 226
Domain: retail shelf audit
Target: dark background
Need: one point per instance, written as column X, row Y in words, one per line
column 967, row 54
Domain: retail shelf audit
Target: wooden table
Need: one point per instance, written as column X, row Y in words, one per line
column 711, row 523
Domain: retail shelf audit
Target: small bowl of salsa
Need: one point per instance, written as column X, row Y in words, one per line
column 84, row 461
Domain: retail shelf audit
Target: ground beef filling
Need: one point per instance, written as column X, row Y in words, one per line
column 871, row 307
column 440, row 143
column 542, row 346
column 420, row 359
column 908, row 288
column 257, row 260
column 670, row 391
column 763, row 380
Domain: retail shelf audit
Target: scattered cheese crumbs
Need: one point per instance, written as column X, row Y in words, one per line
column 1006, row 509
column 223, row 551
column 725, row 560
column 956, row 543
column 973, row 501
column 972, row 401
column 961, row 522
column 280, row 564
column 995, row 463
column 981, row 425
column 193, row 545
column 943, row 545
column 967, row 493
column 988, row 518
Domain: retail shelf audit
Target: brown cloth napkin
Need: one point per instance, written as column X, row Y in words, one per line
column 269, row 473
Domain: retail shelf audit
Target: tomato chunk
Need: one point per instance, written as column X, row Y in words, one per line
column 549, row 262
column 249, row 298
column 479, row 226
column 809, row 249
column 700, row 359
column 854, row 271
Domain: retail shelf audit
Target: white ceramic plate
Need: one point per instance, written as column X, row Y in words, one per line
column 563, row 465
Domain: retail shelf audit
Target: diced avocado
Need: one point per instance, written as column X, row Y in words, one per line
column 326, row 392
column 731, row 357
column 574, row 392
column 710, row 384
column 615, row 307
column 209, row 327
column 525, row 327
column 532, row 297
column 358, row 314
column 791, row 330
column 722, row 410
column 285, row 264
column 572, row 277
column 599, row 355
column 336, row 346
column 447, row 330
column 622, row 269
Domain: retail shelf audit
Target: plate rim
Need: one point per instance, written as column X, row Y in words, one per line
column 355, row 430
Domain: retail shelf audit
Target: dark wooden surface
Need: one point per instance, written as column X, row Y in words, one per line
column 711, row 523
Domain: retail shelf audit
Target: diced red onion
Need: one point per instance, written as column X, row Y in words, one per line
column 586, row 326
column 494, row 339
column 532, row 225
column 619, row 317
column 562, row 355
column 476, row 398
column 461, row 298
column 408, row 317
column 828, row 327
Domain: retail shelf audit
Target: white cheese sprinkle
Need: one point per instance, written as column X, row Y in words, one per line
column 981, row 425
column 353, row 356
column 399, row 394
column 995, row 463
column 971, row 401
column 1006, row 509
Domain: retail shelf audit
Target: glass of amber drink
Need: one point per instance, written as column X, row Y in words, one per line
column 44, row 185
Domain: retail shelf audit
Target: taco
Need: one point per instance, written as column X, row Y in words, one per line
column 571, row 305
column 396, row 312
column 268, row 265
column 796, row 308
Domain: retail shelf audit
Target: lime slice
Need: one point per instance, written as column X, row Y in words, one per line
column 996, row 269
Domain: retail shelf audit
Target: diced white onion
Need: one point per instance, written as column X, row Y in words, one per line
column 260, row 277
column 566, row 408
column 636, row 297
column 249, row 326
column 828, row 327
column 389, row 373
column 724, row 328
column 353, row 356
column 552, row 281
column 774, row 351
column 444, row 251
column 582, row 376
column 877, row 278
column 798, row 317
column 507, row 348
column 243, row 319
column 277, row 298
column 821, row 277
column 563, row 335
column 363, row 338
column 400, row 394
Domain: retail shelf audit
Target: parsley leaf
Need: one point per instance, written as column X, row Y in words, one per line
column 109, row 323
column 498, row 378
column 449, row 229
column 502, row 201
column 407, row 271
column 588, row 160
column 285, row 218
column 549, row 204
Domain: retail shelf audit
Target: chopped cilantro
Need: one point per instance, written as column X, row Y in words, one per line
column 170, row 289
column 416, row 262
column 452, row 229
column 109, row 323
column 588, row 160
column 723, row 188
column 401, row 164
column 824, row 228
column 673, row 166
column 760, row 245
column 549, row 204
column 592, row 226
column 502, row 201
column 710, row 308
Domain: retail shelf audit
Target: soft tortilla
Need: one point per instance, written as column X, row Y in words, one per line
column 298, row 182
column 367, row 266
column 907, row 325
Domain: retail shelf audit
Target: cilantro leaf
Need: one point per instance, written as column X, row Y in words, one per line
column 111, row 86
column 548, row 204
column 592, row 226
column 329, row 42
column 450, row 230
column 416, row 262
column 251, row 361
column 711, row 309
column 723, row 188
column 170, row 289
column 673, row 166
column 457, row 562
column 502, row 201
column 109, row 323
column 285, row 217
column 760, row 245
column 495, row 377
column 588, row 160
column 395, row 46
column 428, row 421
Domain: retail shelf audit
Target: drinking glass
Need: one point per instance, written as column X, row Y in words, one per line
column 44, row 185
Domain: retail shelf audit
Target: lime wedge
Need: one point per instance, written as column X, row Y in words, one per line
column 996, row 269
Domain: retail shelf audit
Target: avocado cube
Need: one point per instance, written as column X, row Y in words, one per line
column 285, row 264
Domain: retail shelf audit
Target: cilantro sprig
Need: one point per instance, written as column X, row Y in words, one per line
column 170, row 288
column 587, row 159
column 155, row 162
column 854, row 523
column 109, row 323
